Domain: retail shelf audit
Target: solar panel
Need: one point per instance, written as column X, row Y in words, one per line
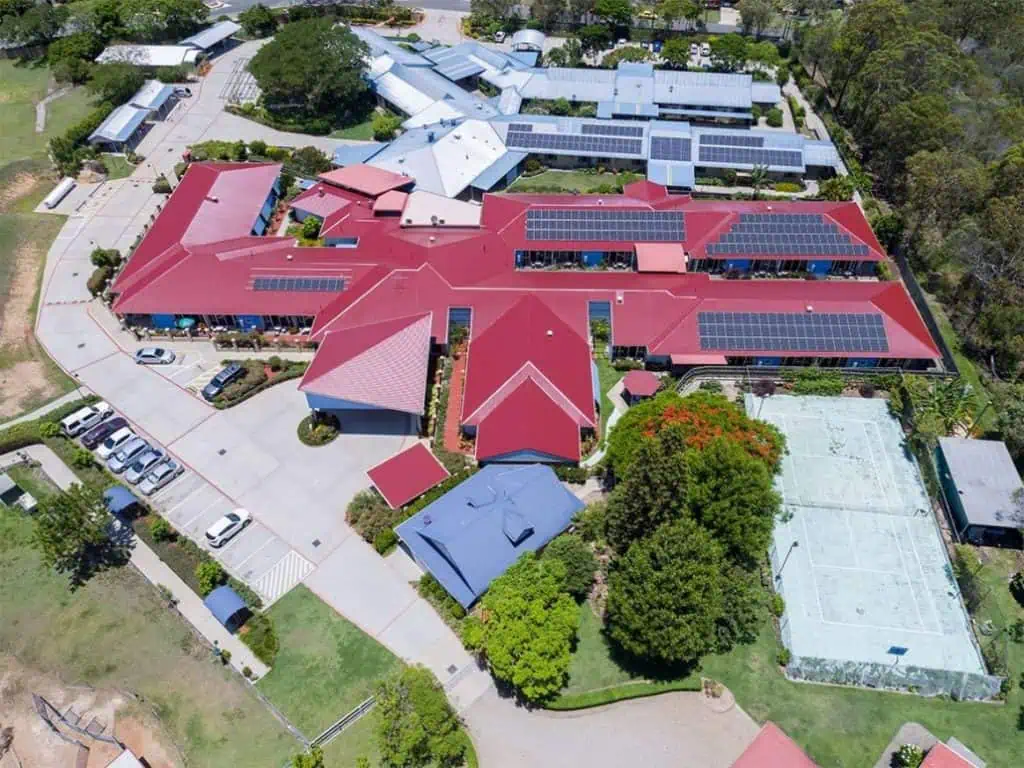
column 589, row 129
column 786, row 234
column 792, row 332
column 597, row 145
column 636, row 226
column 524, row 127
column 301, row 284
column 731, row 140
column 670, row 148
column 748, row 156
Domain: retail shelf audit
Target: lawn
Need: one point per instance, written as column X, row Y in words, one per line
column 326, row 665
column 358, row 132
column 568, row 181
column 33, row 480
column 355, row 741
column 116, row 632
column 607, row 377
column 117, row 166
column 837, row 725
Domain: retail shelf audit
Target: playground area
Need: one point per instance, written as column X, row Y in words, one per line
column 870, row 595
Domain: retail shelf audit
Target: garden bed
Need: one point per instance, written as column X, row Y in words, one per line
column 259, row 375
column 315, row 435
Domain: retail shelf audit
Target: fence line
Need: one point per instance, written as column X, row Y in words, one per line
column 917, row 294
column 769, row 371
column 335, row 730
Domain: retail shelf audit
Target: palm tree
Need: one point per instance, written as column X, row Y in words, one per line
column 758, row 178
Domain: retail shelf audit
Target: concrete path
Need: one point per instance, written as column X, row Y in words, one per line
column 45, row 409
column 615, row 395
column 41, row 107
column 189, row 604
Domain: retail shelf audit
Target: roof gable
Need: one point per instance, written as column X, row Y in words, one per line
column 528, row 420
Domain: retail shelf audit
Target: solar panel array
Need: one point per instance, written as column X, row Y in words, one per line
column 748, row 156
column 731, row 140
column 786, row 234
column 304, row 284
column 670, row 148
column 573, row 142
column 791, row 332
column 607, row 225
column 522, row 127
column 589, row 129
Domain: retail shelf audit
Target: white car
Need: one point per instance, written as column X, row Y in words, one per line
column 220, row 533
column 705, row 50
column 154, row 356
column 85, row 418
column 115, row 441
column 694, row 49
column 499, row 37
column 159, row 476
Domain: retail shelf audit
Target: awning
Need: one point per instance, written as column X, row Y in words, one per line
column 224, row 603
column 660, row 257
column 698, row 359
column 118, row 499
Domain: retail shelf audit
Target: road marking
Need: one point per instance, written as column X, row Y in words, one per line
column 241, row 562
column 205, row 509
column 289, row 571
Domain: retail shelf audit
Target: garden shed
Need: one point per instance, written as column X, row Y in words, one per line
column 407, row 475
column 982, row 488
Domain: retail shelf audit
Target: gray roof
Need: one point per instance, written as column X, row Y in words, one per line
column 986, row 479
column 210, row 36
column 473, row 533
column 381, row 46
column 528, row 39
column 6, row 484
column 121, row 124
column 152, row 95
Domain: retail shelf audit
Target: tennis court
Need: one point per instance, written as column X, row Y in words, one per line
column 858, row 554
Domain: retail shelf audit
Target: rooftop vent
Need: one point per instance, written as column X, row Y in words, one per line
column 433, row 220
column 289, row 257
column 620, row 297
column 213, row 198
column 320, row 192
column 809, row 308
column 550, row 333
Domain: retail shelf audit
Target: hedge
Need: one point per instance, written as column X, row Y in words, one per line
column 294, row 372
column 639, row 690
column 27, row 433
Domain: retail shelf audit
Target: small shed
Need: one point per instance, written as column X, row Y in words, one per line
column 227, row 607
column 213, row 38
column 982, row 489
column 407, row 475
column 155, row 97
column 119, row 500
column 639, row 385
column 528, row 40
column 9, row 490
column 121, row 131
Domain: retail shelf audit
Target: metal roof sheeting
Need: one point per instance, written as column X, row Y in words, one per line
column 152, row 95
column 671, row 174
column 986, row 481
column 149, row 55
column 210, row 36
column 459, row 68
column 528, row 39
column 498, row 170
column 763, row 92
column 120, row 125
column 407, row 475
column 609, row 109
column 224, row 603
column 712, row 89
column 380, row 46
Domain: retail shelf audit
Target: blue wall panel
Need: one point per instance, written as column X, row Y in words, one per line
column 820, row 267
column 592, row 258
column 251, row 322
column 324, row 403
column 163, row 321
column 741, row 264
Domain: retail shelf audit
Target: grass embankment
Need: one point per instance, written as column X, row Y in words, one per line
column 359, row 132
column 116, row 632
column 118, row 167
column 837, row 725
column 568, row 181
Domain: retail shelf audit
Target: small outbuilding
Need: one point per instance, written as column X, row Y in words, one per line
column 156, row 98
column 215, row 38
column 121, row 131
column 9, row 490
column 407, row 475
column 119, row 500
column 982, row 488
column 528, row 40
column 639, row 385
column 227, row 607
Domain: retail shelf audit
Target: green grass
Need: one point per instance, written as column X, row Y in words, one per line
column 358, row 132
column 116, row 632
column 355, row 741
column 326, row 665
column 607, row 378
column 838, row 725
column 117, row 166
column 567, row 180
column 33, row 480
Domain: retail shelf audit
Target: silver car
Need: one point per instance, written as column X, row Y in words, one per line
column 160, row 475
column 154, row 356
column 142, row 464
column 123, row 456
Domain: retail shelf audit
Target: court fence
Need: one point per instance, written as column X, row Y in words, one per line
column 960, row 686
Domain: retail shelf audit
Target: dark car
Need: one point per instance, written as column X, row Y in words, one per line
column 221, row 380
column 102, row 431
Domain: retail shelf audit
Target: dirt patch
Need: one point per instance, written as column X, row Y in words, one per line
column 15, row 189
column 35, row 744
column 24, row 382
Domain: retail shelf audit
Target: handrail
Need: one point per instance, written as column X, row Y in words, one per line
column 768, row 371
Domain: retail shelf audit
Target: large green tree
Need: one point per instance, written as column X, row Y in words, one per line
column 665, row 595
column 415, row 724
column 116, row 81
column 526, row 627
column 729, row 52
column 312, row 67
column 72, row 532
column 870, row 25
column 617, row 13
column 159, row 20
column 258, row 21
column 579, row 561
column 756, row 15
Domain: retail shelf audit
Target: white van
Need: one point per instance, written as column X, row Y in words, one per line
column 85, row 418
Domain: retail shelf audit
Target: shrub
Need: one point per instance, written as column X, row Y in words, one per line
column 787, row 186
column 161, row 530
column 384, row 541
column 627, row 364
column 385, row 125
column 867, row 390
column 369, row 514
column 430, row 589
column 532, row 165
column 310, row 228
column 225, row 657
column 783, row 657
column 98, row 280
column 590, row 521
column 711, row 386
column 252, row 600
column 105, row 257
column 774, row 117
column 838, row 188
column 247, row 672
column 778, row 605
column 321, row 433
column 275, row 363
column 412, row 37
column 261, row 638
column 239, row 152
column 209, row 576
column 909, row 756
column 579, row 561
column 162, row 186
column 571, row 474
column 258, row 147
column 816, row 381
column 1017, row 587
column 49, row 429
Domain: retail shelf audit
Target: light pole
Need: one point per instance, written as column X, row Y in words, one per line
column 794, row 545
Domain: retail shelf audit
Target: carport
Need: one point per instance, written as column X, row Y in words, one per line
column 227, row 607
column 119, row 500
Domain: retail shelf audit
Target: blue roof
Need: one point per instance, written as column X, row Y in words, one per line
column 118, row 499
column 473, row 533
column 353, row 154
column 224, row 603
column 498, row 170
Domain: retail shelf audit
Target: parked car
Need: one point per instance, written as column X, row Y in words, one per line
column 142, row 464
column 124, row 455
column 623, row 41
column 694, row 49
column 499, row 37
column 181, row 90
column 705, row 50
column 114, row 441
column 85, row 419
column 220, row 533
column 102, row 431
column 160, row 475
column 221, row 380
column 154, row 356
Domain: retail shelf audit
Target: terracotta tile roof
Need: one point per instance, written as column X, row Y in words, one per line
column 772, row 748
column 406, row 475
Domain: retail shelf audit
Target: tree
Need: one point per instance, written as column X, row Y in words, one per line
column 618, row 13
column 526, row 627
column 314, row 758
column 258, row 21
column 665, row 595
column 39, row 24
column 730, row 494
column 729, row 52
column 310, row 231
column 312, row 67
column 837, row 188
column 116, row 82
column 578, row 9
column 817, row 42
column 71, row 531
column 568, row 54
column 309, row 161
column 756, row 15
column 594, row 37
column 385, row 125
column 625, row 53
column 759, row 176
column 547, row 12
column 579, row 561
column 676, row 53
column 943, row 186
column 103, row 18
column 414, row 723
column 869, row 26
column 159, row 20
column 671, row 11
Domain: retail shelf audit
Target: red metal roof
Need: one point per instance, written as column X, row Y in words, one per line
column 381, row 364
column 772, row 748
column 941, row 756
column 641, row 383
column 322, row 200
column 390, row 202
column 365, row 179
column 660, row 257
column 528, row 420
column 406, row 475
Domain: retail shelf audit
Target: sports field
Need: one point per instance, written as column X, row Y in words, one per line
column 858, row 556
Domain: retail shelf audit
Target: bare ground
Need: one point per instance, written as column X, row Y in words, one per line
column 35, row 745
column 17, row 188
